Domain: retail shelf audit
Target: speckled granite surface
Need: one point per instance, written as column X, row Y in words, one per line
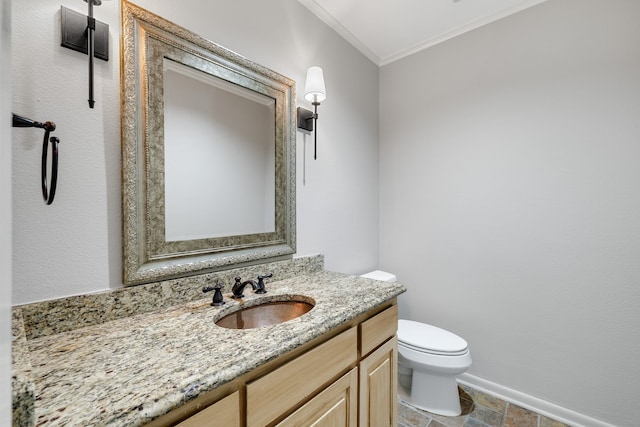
column 131, row 370
column 66, row 314
column 22, row 384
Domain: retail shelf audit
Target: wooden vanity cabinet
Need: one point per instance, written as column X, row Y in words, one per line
column 350, row 379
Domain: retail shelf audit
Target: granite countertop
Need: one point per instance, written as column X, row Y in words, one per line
column 129, row 371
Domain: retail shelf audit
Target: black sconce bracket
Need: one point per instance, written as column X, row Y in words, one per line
column 74, row 33
column 305, row 119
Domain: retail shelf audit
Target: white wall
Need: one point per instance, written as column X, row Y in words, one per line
column 74, row 245
column 5, row 214
column 510, row 173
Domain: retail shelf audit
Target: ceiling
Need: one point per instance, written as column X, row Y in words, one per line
column 387, row 30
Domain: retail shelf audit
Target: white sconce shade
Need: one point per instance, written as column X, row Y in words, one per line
column 314, row 90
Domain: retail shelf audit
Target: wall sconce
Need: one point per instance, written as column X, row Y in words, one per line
column 85, row 34
column 315, row 92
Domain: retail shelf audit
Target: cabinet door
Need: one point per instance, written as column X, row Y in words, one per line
column 379, row 386
column 224, row 413
column 335, row 406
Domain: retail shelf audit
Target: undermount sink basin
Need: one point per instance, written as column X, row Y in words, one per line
column 265, row 314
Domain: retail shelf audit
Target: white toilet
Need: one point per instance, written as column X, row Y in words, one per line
column 429, row 358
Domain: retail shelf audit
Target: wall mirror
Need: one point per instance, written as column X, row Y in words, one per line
column 208, row 154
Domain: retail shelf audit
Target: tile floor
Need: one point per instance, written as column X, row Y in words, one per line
column 478, row 410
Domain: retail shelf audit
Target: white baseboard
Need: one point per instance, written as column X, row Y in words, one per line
column 535, row 404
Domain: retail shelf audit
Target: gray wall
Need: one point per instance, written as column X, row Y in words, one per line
column 74, row 245
column 5, row 214
column 510, row 199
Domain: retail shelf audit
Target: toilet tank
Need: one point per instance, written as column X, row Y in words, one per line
column 380, row 275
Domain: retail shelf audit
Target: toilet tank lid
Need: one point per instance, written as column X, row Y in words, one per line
column 380, row 275
column 428, row 337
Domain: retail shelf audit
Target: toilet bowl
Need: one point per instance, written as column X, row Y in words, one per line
column 429, row 358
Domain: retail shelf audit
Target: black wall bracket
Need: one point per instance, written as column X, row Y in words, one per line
column 74, row 34
column 305, row 119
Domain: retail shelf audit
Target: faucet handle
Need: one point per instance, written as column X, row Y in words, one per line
column 218, row 299
column 260, row 288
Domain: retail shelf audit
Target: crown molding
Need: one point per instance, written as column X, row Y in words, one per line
column 328, row 19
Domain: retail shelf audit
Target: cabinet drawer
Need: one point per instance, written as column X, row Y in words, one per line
column 378, row 329
column 281, row 390
column 225, row 412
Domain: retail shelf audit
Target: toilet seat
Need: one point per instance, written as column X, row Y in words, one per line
column 430, row 339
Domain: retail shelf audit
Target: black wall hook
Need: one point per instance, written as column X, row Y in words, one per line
column 48, row 192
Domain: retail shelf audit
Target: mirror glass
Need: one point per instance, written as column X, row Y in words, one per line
column 208, row 154
column 228, row 188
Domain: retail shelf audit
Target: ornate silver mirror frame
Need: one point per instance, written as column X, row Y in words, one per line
column 147, row 41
